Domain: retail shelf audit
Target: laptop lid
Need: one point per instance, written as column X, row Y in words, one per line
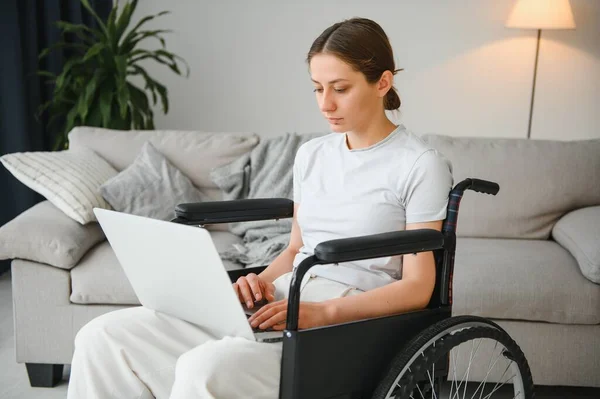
column 176, row 269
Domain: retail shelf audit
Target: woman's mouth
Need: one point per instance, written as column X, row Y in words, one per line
column 334, row 121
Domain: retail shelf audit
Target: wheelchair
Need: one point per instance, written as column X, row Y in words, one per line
column 410, row 355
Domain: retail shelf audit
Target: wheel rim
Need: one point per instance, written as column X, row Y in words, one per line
column 458, row 378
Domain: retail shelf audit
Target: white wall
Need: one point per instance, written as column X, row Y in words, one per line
column 465, row 73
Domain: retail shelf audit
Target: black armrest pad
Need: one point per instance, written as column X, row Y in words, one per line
column 234, row 211
column 379, row 245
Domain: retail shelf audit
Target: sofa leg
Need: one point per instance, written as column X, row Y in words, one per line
column 44, row 375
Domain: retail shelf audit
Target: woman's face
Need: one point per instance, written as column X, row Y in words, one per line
column 345, row 98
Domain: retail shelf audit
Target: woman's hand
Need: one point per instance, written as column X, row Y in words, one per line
column 252, row 288
column 312, row 314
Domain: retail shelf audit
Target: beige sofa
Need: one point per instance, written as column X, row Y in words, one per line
column 528, row 258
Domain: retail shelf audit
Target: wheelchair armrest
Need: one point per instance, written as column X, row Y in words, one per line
column 358, row 248
column 379, row 245
column 234, row 211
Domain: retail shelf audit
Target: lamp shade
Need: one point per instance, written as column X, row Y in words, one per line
column 541, row 14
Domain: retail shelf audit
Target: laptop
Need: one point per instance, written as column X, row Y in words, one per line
column 176, row 269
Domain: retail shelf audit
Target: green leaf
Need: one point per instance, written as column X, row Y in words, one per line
column 137, row 118
column 157, row 55
column 65, row 72
column 95, row 117
column 87, row 6
column 111, row 26
column 93, row 84
column 86, row 34
column 47, row 74
column 61, row 139
column 150, row 83
column 124, row 20
column 123, row 99
column 75, row 46
column 162, row 90
column 105, row 103
column 93, row 51
column 138, row 98
column 142, row 21
column 129, row 45
column 86, row 98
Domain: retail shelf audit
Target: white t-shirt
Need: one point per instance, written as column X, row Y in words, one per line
column 347, row 193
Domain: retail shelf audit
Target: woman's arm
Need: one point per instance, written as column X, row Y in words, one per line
column 413, row 292
column 284, row 262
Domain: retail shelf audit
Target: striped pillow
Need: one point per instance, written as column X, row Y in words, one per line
column 68, row 179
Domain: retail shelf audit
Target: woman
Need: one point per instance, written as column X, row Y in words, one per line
column 369, row 176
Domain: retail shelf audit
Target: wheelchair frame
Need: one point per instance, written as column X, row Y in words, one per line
column 354, row 356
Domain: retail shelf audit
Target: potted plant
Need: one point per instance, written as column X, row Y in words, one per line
column 93, row 88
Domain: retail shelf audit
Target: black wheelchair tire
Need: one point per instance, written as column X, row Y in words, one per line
column 466, row 328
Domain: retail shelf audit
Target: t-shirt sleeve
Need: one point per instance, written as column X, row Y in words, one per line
column 297, row 175
column 427, row 187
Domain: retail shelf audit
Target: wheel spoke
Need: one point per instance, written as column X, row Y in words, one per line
column 450, row 396
column 502, row 376
column 490, row 368
column 469, row 368
column 419, row 388
column 433, row 394
column 431, row 382
column 494, row 390
column 466, row 375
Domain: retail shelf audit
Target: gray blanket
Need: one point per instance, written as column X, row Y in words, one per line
column 264, row 172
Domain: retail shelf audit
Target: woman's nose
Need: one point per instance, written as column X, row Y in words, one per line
column 327, row 103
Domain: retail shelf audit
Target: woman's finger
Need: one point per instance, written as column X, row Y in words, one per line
column 281, row 326
column 270, row 292
column 246, row 292
column 276, row 320
column 236, row 289
column 262, row 310
column 266, row 312
column 254, row 283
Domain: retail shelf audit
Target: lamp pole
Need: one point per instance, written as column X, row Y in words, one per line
column 537, row 53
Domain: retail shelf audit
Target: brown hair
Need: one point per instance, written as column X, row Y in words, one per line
column 363, row 45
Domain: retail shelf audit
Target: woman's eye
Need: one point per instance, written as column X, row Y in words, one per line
column 336, row 90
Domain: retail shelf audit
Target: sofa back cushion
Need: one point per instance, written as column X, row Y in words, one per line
column 194, row 153
column 540, row 180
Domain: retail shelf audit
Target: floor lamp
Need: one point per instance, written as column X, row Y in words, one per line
column 540, row 14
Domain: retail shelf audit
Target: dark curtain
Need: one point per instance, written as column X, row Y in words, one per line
column 26, row 28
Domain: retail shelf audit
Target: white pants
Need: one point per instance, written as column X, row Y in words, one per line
column 137, row 353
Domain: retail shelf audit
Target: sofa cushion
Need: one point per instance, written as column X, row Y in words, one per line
column 99, row 278
column 522, row 280
column 539, row 180
column 150, row 187
column 69, row 179
column 44, row 234
column 579, row 233
column 194, row 153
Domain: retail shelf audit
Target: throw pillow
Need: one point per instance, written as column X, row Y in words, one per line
column 579, row 232
column 151, row 186
column 68, row 179
column 44, row 234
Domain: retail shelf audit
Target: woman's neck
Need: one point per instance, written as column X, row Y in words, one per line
column 371, row 135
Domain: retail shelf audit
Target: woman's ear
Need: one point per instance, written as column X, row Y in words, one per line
column 386, row 81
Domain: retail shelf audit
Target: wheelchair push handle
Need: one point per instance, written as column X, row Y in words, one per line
column 481, row 186
column 484, row 186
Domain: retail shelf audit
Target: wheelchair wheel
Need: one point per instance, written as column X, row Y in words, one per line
column 434, row 356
